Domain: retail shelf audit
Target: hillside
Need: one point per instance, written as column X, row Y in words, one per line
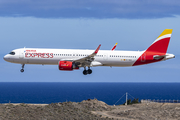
column 89, row 110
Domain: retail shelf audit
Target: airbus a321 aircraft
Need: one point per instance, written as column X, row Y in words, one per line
column 73, row 59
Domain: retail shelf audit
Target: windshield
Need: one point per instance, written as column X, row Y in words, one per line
column 12, row 53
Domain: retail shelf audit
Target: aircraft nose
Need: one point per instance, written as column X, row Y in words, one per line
column 5, row 58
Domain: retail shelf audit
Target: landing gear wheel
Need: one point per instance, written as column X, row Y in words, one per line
column 89, row 71
column 85, row 72
column 22, row 70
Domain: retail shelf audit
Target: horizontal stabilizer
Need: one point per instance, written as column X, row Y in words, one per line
column 158, row 57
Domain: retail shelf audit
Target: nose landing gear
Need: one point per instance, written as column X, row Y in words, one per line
column 22, row 70
column 89, row 71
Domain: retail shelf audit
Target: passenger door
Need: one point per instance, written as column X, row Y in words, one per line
column 21, row 54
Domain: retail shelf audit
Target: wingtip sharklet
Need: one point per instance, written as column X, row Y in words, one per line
column 114, row 47
column 96, row 51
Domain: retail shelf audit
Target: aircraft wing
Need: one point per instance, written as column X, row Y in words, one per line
column 88, row 59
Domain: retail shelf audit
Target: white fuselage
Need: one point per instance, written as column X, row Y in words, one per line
column 53, row 56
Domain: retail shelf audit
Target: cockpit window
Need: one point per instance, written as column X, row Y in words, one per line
column 12, row 53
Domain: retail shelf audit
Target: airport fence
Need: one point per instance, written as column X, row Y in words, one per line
column 159, row 101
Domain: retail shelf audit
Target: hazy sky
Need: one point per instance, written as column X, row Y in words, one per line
column 80, row 24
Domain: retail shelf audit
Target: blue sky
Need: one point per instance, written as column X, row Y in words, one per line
column 134, row 24
column 90, row 8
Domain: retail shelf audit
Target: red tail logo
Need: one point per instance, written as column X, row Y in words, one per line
column 158, row 48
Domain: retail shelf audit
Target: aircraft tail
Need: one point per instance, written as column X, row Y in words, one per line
column 157, row 51
column 160, row 45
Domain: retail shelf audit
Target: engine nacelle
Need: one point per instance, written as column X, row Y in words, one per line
column 67, row 65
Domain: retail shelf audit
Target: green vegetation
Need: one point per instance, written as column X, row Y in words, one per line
column 134, row 101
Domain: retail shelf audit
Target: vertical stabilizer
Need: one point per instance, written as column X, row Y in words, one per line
column 157, row 49
column 160, row 45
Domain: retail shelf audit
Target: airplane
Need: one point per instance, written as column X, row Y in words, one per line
column 73, row 59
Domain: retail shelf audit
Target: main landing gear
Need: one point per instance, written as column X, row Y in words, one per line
column 89, row 71
column 22, row 70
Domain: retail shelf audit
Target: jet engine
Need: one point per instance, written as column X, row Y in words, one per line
column 67, row 65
